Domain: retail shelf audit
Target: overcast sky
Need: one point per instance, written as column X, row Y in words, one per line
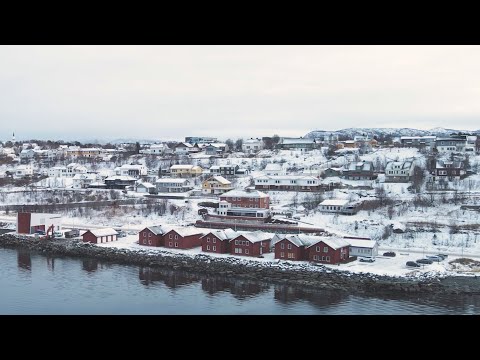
column 169, row 92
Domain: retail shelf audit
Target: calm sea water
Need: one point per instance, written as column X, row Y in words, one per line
column 35, row 284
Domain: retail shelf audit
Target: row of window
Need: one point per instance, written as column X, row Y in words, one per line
column 240, row 251
column 325, row 249
column 282, row 246
column 214, row 248
column 170, row 244
column 321, row 258
column 242, row 242
column 290, row 255
column 214, row 240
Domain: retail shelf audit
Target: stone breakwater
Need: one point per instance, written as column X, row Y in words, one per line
column 307, row 277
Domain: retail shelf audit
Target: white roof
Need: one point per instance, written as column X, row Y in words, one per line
column 403, row 164
column 333, row 242
column 85, row 177
column 186, row 231
column 334, row 202
column 220, row 179
column 157, row 229
column 247, row 194
column 286, row 177
column 273, row 167
column 217, row 144
column 299, row 239
column 254, row 236
column 171, row 180
column 121, row 177
column 215, row 167
column 296, row 141
column 185, row 167
column 103, row 232
column 133, row 167
column 226, row 234
column 146, row 184
column 370, row 244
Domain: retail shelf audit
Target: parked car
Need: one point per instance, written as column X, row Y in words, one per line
column 412, row 264
column 390, row 254
column 367, row 259
column 122, row 234
column 58, row 234
column 425, row 261
column 435, row 258
column 40, row 232
column 444, row 256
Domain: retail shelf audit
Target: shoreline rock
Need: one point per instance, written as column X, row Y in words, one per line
column 322, row 278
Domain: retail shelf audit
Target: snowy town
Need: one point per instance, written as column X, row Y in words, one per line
column 398, row 202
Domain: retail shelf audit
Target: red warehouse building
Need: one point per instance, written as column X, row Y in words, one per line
column 218, row 241
column 98, row 236
column 250, row 244
column 293, row 247
column 152, row 236
column 29, row 223
column 329, row 251
column 186, row 238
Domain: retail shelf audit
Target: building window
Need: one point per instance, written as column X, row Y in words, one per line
column 214, row 240
column 282, row 254
column 176, row 244
column 144, row 234
column 289, row 246
column 145, row 241
column 318, row 248
column 170, row 244
column 291, row 255
column 315, row 257
column 282, row 246
column 328, row 258
column 176, row 236
column 150, row 235
column 170, row 236
column 325, row 249
column 246, row 251
column 208, row 239
column 208, row 247
column 214, row 248
column 149, row 242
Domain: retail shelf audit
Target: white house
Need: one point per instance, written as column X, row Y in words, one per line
column 27, row 154
column 135, row 171
column 337, row 206
column 399, row 171
column 252, row 145
column 82, row 181
column 23, row 170
column 74, row 169
column 362, row 247
column 170, row 185
column 274, row 169
column 287, row 183
column 146, row 187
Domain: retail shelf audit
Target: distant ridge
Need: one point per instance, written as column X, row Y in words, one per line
column 395, row 132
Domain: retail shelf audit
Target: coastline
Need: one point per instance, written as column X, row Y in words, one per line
column 320, row 278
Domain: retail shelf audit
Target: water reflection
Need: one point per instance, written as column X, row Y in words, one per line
column 320, row 298
column 90, row 265
column 24, row 260
column 50, row 263
column 171, row 278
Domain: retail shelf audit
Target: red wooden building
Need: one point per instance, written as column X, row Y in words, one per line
column 98, row 236
column 293, row 247
column 329, row 250
column 250, row 244
column 186, row 238
column 152, row 236
column 218, row 241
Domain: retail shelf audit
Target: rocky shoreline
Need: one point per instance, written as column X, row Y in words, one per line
column 323, row 278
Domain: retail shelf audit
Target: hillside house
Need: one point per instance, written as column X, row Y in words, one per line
column 250, row 244
column 218, row 241
column 216, row 185
column 362, row 170
column 399, row 171
column 287, row 183
column 171, row 185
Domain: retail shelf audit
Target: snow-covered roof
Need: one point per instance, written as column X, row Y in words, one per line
column 254, row 236
column 220, row 179
column 402, row 164
column 215, row 167
column 273, row 167
column 103, row 232
column 121, row 178
column 156, row 229
column 333, row 242
column 217, row 145
column 146, row 185
column 171, row 180
column 184, row 167
column 186, row 231
column 370, row 244
column 226, row 234
column 286, row 177
column 290, row 141
column 130, row 167
column 85, row 177
column 247, row 194
column 300, row 239
column 334, row 202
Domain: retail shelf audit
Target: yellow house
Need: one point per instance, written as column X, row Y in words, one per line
column 185, row 170
column 216, row 185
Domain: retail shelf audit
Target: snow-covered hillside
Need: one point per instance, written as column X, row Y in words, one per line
column 395, row 132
